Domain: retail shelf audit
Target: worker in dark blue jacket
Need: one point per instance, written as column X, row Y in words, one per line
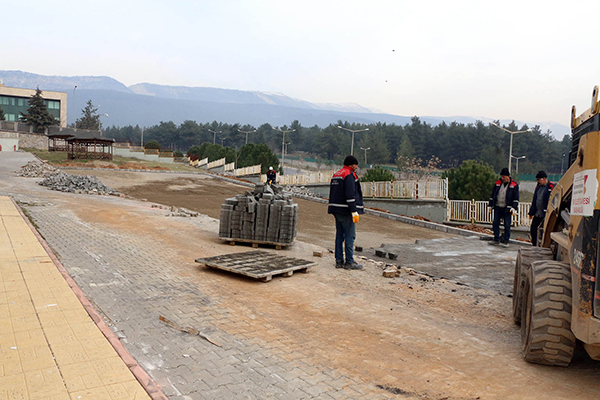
column 504, row 202
column 539, row 204
column 345, row 203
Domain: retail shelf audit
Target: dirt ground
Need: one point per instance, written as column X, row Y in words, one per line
column 415, row 336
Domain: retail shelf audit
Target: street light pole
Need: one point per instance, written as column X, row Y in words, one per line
column 214, row 135
column 510, row 156
column 222, row 138
column 518, row 158
column 283, row 145
column 368, row 148
column 562, row 164
column 353, row 132
column 246, row 132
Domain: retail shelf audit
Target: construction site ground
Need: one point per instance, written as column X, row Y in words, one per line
column 441, row 330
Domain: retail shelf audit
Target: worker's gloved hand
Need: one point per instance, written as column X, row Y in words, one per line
column 512, row 211
column 355, row 217
column 531, row 216
column 489, row 210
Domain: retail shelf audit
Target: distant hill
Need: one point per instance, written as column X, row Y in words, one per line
column 147, row 104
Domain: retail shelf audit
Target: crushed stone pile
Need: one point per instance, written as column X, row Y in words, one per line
column 268, row 214
column 301, row 190
column 177, row 211
column 37, row 169
column 77, row 184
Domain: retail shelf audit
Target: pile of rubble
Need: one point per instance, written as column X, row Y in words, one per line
column 76, row 184
column 302, row 190
column 36, row 169
column 268, row 214
column 176, row 211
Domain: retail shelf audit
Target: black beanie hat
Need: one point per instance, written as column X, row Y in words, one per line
column 505, row 172
column 541, row 174
column 350, row 160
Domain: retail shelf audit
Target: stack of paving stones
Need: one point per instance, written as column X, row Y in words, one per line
column 36, row 169
column 76, row 184
column 268, row 214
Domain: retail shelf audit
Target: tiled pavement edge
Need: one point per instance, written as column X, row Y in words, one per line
column 50, row 348
column 131, row 281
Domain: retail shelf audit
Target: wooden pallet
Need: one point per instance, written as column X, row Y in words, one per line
column 256, row 243
column 258, row 264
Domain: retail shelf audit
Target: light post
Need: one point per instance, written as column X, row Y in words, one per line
column 214, row 135
column 368, row 148
column 222, row 138
column 246, row 132
column 100, row 123
column 283, row 144
column 518, row 158
column 562, row 164
column 353, row 132
column 510, row 156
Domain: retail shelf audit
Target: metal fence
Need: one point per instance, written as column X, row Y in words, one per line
column 472, row 211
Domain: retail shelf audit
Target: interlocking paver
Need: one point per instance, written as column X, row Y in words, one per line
column 131, row 280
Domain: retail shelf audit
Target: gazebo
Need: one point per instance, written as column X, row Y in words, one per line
column 58, row 141
column 89, row 146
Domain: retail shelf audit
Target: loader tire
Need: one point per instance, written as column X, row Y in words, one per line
column 525, row 257
column 546, row 335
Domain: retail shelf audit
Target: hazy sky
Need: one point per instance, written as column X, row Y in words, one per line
column 523, row 60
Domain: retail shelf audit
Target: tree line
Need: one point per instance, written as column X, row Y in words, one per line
column 417, row 142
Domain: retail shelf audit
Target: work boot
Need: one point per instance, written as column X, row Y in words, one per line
column 353, row 265
column 504, row 244
column 339, row 264
column 494, row 243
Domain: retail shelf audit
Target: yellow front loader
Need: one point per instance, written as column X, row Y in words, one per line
column 556, row 293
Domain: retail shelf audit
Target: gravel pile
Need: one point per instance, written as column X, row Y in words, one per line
column 302, row 190
column 76, row 184
column 36, row 169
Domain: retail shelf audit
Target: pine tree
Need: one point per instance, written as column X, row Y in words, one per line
column 90, row 120
column 37, row 113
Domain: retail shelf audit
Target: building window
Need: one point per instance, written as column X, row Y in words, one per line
column 4, row 101
column 53, row 105
column 21, row 103
column 10, row 117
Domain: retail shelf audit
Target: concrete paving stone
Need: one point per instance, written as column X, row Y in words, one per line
column 317, row 390
column 219, row 393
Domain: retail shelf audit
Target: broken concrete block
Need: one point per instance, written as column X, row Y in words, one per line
column 317, row 254
column 393, row 256
column 380, row 253
column 358, row 248
column 390, row 272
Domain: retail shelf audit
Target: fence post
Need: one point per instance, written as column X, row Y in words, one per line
column 417, row 190
column 473, row 211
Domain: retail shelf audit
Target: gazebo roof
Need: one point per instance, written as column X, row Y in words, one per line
column 90, row 136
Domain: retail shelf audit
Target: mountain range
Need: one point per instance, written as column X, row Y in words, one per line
column 148, row 104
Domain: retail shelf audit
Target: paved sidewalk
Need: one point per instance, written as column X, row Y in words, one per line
column 50, row 348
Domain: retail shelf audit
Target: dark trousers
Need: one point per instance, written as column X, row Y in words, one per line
column 535, row 223
column 345, row 233
column 502, row 214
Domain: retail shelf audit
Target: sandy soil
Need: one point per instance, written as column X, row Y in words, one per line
column 418, row 337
